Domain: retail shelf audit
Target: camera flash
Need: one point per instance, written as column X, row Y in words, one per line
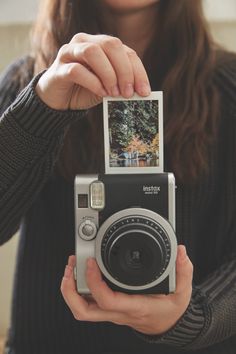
column 97, row 195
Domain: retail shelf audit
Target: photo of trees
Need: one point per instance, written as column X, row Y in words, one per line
column 133, row 133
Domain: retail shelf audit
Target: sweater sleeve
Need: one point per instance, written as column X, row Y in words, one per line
column 31, row 135
column 211, row 315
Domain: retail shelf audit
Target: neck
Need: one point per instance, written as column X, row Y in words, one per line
column 136, row 29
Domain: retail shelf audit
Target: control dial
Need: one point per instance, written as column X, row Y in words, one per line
column 87, row 230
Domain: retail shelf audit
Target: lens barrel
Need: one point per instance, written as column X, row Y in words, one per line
column 135, row 250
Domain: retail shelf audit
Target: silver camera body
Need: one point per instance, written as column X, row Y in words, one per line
column 127, row 223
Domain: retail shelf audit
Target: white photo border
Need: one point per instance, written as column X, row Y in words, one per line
column 155, row 95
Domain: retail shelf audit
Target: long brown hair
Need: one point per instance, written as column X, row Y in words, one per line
column 181, row 62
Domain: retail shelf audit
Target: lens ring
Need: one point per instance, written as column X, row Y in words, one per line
column 155, row 224
column 135, row 257
column 126, row 233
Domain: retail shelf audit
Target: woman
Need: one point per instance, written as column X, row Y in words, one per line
column 46, row 136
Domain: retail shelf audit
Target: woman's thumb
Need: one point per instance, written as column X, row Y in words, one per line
column 184, row 271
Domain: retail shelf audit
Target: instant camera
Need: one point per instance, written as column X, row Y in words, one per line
column 125, row 217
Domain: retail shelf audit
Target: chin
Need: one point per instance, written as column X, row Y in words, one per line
column 129, row 5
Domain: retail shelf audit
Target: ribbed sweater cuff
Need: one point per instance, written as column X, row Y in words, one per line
column 36, row 118
column 187, row 330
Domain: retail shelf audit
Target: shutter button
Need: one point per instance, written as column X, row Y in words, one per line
column 87, row 230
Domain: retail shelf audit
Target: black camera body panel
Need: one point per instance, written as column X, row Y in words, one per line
column 125, row 191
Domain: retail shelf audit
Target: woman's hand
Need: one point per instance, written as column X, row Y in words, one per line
column 89, row 68
column 149, row 314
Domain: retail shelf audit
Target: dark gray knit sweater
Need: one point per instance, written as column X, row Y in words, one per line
column 33, row 195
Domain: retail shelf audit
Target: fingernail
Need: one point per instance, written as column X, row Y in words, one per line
column 68, row 272
column 71, row 261
column 115, row 91
column 129, row 90
column 144, row 89
column 183, row 253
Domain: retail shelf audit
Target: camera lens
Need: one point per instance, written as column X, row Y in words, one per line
column 135, row 258
column 135, row 251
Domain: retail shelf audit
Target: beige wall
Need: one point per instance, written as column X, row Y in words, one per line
column 14, row 41
column 7, row 265
column 225, row 33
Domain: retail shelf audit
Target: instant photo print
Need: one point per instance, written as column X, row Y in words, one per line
column 133, row 134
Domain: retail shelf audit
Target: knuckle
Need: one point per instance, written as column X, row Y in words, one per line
column 112, row 42
column 131, row 53
column 76, row 316
column 63, row 50
column 120, row 323
column 190, row 266
column 90, row 50
column 79, row 37
column 62, row 288
column 79, row 316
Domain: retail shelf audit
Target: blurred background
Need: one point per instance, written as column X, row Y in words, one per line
column 16, row 18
